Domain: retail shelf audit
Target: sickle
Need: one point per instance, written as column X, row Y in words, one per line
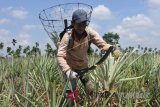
column 86, row 70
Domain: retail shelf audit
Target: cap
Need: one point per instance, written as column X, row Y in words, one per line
column 79, row 16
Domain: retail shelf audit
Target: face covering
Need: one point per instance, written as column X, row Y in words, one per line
column 79, row 32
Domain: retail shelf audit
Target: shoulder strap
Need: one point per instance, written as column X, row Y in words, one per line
column 70, row 40
column 89, row 41
column 89, row 36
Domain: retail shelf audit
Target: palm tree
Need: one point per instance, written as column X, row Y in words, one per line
column 1, row 45
column 26, row 50
column 35, row 49
column 18, row 52
column 142, row 48
column 14, row 42
column 37, row 44
column 49, row 49
column 20, row 47
column 150, row 50
column 9, row 50
column 145, row 49
column 130, row 48
column 155, row 50
column 139, row 46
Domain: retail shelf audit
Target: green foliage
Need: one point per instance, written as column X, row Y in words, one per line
column 111, row 38
column 36, row 81
column 1, row 45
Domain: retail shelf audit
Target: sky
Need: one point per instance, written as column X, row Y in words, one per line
column 136, row 21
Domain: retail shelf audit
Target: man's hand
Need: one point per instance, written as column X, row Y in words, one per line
column 71, row 74
column 116, row 53
column 105, row 48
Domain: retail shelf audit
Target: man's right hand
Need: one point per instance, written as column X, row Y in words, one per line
column 71, row 74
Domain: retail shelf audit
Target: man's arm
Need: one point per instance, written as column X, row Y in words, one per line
column 61, row 55
column 97, row 40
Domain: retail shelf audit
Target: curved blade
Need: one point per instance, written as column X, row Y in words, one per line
column 86, row 70
column 111, row 48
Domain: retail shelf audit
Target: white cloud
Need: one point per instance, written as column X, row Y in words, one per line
column 125, row 33
column 24, row 39
column 95, row 26
column 136, row 30
column 24, row 36
column 30, row 27
column 24, row 42
column 155, row 34
column 119, row 29
column 4, row 33
column 5, row 36
column 154, row 10
column 20, row 13
column 102, row 13
column 6, row 9
column 138, row 21
column 129, row 37
column 4, row 21
column 154, row 3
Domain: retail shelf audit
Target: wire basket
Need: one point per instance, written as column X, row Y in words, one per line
column 53, row 18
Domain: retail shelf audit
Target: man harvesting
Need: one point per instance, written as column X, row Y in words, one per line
column 73, row 47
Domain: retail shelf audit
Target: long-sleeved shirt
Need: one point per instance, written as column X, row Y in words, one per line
column 76, row 56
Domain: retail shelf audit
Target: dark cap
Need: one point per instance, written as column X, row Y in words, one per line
column 79, row 16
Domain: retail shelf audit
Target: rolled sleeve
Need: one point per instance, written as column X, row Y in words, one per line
column 98, row 41
column 61, row 55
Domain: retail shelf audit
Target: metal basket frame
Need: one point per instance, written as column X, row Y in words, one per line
column 52, row 18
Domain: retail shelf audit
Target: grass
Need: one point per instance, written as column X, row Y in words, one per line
column 131, row 81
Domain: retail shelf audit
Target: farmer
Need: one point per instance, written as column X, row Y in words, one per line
column 72, row 54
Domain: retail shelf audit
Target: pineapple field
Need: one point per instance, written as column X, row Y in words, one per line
column 35, row 80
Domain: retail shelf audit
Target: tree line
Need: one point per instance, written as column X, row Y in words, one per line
column 111, row 38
